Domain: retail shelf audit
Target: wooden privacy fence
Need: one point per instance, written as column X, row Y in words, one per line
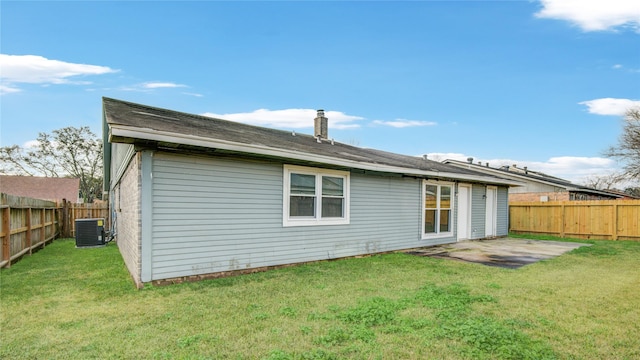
column 29, row 224
column 601, row 219
column 71, row 212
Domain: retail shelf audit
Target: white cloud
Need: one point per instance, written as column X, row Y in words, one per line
column 31, row 144
column 593, row 15
column 34, row 144
column 446, row 156
column 610, row 106
column 153, row 85
column 403, row 123
column 290, row 118
column 572, row 168
column 157, row 85
column 624, row 68
column 33, row 69
column 6, row 89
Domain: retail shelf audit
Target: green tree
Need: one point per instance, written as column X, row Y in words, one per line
column 67, row 152
column 633, row 191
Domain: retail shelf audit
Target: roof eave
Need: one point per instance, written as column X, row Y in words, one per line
column 596, row 192
column 484, row 169
column 120, row 133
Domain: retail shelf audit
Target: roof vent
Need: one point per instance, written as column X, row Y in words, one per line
column 470, row 160
column 425, row 157
column 321, row 126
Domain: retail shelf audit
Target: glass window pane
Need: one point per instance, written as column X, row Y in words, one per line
column 302, row 184
column 332, row 186
column 429, row 221
column 445, row 223
column 445, row 197
column 302, row 206
column 332, row 207
column 430, row 196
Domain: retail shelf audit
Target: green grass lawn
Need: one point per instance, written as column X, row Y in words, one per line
column 72, row 303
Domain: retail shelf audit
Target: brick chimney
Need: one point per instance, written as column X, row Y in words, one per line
column 321, row 127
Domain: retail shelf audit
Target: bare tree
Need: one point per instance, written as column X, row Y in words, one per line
column 605, row 182
column 628, row 148
column 67, row 152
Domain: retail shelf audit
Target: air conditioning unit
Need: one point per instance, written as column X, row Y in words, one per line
column 89, row 232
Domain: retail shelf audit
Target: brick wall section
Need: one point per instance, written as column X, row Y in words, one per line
column 127, row 206
column 552, row 196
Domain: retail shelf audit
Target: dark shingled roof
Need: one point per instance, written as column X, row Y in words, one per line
column 133, row 116
column 45, row 188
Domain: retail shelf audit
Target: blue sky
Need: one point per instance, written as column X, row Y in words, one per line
column 542, row 84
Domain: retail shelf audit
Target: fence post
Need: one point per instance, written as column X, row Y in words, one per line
column 65, row 219
column 614, row 224
column 562, row 219
column 6, row 239
column 43, row 229
column 57, row 221
column 29, row 224
column 62, row 219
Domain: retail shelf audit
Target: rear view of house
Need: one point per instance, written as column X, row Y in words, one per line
column 194, row 196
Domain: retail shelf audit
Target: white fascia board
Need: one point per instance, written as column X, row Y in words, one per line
column 161, row 136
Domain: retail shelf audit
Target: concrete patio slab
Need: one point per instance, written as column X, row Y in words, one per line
column 506, row 252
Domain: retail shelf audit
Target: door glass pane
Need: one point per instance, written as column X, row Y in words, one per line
column 445, row 197
column 430, row 196
column 445, row 223
column 302, row 206
column 429, row 221
column 332, row 207
column 303, row 184
column 332, row 186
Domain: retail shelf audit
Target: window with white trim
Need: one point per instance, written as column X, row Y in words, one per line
column 437, row 212
column 314, row 196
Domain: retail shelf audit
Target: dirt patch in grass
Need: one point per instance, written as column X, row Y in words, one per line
column 506, row 253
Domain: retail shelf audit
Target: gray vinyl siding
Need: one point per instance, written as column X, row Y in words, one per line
column 478, row 211
column 503, row 212
column 121, row 154
column 212, row 214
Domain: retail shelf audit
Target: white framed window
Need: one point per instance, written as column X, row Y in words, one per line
column 313, row 196
column 437, row 210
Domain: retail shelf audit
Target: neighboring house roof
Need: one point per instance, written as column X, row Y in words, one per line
column 46, row 188
column 145, row 125
column 524, row 174
column 622, row 194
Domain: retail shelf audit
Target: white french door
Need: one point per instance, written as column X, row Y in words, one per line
column 464, row 212
column 491, row 223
